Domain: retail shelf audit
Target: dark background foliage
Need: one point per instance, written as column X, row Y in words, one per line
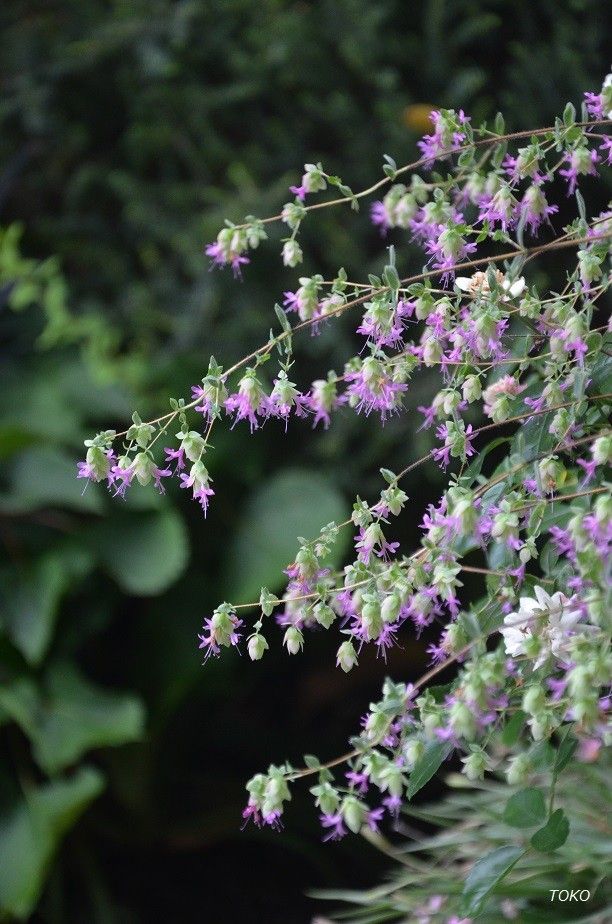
column 128, row 131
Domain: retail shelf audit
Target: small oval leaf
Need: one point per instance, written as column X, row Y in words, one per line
column 553, row 834
column 525, row 809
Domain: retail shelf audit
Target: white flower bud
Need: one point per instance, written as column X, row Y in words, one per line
column 256, row 646
column 292, row 253
column 474, row 765
column 472, row 389
column 353, row 813
column 518, row 771
column 294, row 640
column 346, row 657
column 413, row 749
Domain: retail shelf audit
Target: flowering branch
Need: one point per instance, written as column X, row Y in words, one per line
column 534, row 362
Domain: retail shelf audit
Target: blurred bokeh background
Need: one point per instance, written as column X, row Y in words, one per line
column 129, row 129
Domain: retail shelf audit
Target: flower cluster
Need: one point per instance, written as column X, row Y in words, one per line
column 532, row 657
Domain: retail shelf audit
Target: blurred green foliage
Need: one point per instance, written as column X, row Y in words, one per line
column 129, row 131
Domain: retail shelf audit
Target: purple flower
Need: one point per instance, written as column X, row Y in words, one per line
column 221, row 257
column 98, row 465
column 322, row 400
column 177, row 455
column 501, row 207
column 299, row 191
column 286, row 398
column 437, row 653
column 220, row 631
column 158, row 474
column 373, row 817
column 581, row 161
column 605, row 149
column 378, row 214
column 358, row 781
column 387, row 638
column 335, row 826
column 535, row 209
column 206, row 404
column 594, row 104
column 447, row 135
column 393, row 805
column 248, row 402
column 198, row 480
column 447, row 249
column 121, row 478
column 373, row 389
column 371, row 538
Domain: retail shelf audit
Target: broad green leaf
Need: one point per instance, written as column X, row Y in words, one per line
column 36, row 404
column 553, row 834
column 549, row 557
column 600, row 374
column 541, row 756
column 70, row 716
column 31, row 833
column 512, row 729
column 31, row 597
column 485, row 875
column 535, row 437
column 290, row 504
column 432, row 757
column 499, row 556
column 525, row 809
column 144, row 552
column 44, row 476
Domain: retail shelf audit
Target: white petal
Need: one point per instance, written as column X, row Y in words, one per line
column 513, row 641
column 543, row 598
column 517, row 287
column 463, row 283
column 569, row 618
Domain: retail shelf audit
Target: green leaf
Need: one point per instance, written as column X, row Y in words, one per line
column 525, row 809
column 145, row 552
column 44, row 476
column 512, row 729
column 554, row 833
column 70, row 716
column 432, row 757
column 292, row 503
column 565, row 752
column 534, row 436
column 485, row 875
column 541, row 756
column 474, row 468
column 32, row 832
column 31, row 599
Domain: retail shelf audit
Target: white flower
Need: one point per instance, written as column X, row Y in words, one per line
column 478, row 284
column 546, row 623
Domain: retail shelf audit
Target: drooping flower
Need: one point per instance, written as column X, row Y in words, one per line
column 372, row 388
column 220, row 631
column 286, row 398
column 198, row 480
column 504, row 388
column 229, row 249
column 448, row 135
column 249, row 401
column 580, row 162
column 535, row 209
column 322, row 400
